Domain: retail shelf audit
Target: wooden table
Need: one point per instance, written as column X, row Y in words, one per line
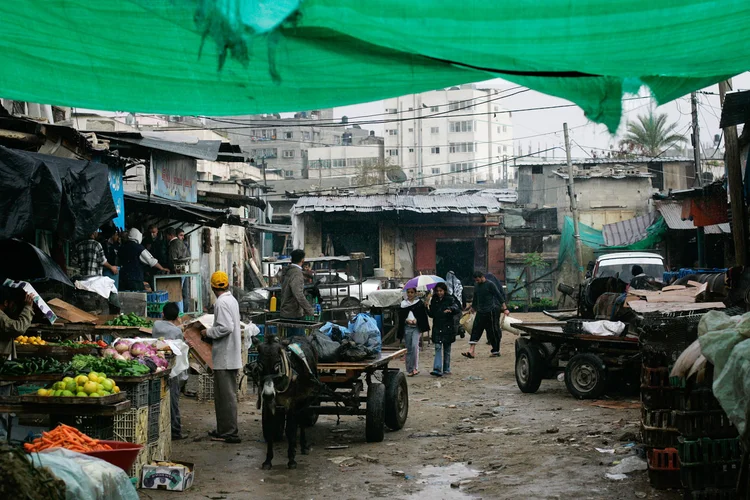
column 64, row 409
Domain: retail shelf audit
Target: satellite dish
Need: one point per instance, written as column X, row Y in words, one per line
column 396, row 174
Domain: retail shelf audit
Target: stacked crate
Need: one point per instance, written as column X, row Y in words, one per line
column 205, row 392
column 663, row 338
column 161, row 450
column 155, row 303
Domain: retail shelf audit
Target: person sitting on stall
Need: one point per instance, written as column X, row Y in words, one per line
column 169, row 328
column 91, row 258
column 133, row 256
column 9, row 329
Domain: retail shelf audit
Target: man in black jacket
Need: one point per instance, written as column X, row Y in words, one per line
column 488, row 302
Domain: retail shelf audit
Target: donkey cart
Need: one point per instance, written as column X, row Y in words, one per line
column 387, row 400
column 589, row 362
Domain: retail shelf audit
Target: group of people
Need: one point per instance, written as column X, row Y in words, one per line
column 129, row 259
column 445, row 306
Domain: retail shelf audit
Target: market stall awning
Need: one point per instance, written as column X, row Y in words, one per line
column 672, row 213
column 627, row 231
column 230, row 199
column 241, row 57
column 190, row 213
column 202, row 150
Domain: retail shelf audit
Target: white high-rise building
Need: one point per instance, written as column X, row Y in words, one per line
column 451, row 136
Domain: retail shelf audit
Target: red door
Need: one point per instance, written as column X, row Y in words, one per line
column 496, row 257
column 424, row 253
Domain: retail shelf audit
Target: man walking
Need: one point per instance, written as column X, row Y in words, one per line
column 294, row 305
column 226, row 352
column 487, row 303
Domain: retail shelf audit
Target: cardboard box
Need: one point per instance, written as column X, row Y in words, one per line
column 167, row 477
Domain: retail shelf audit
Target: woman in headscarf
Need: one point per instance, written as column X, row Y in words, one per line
column 443, row 310
column 133, row 256
column 412, row 323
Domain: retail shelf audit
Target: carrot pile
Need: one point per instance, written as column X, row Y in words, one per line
column 64, row 436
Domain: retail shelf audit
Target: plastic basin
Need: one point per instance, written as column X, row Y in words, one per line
column 122, row 454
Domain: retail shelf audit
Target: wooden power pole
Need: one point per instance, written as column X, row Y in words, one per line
column 734, row 178
column 573, row 206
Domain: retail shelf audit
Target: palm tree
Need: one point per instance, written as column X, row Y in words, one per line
column 651, row 135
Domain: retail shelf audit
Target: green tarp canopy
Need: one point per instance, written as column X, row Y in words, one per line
column 231, row 57
column 594, row 239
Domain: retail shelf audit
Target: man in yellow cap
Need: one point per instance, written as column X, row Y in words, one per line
column 226, row 352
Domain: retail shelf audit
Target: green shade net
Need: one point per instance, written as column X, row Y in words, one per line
column 230, row 57
column 594, row 239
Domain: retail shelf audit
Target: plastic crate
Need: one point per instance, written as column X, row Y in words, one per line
column 96, row 427
column 154, row 307
column 655, row 377
column 205, row 387
column 154, row 391
column 703, row 476
column 158, row 297
column 153, row 422
column 662, row 419
column 660, row 398
column 695, row 424
column 707, row 450
column 699, row 399
column 137, row 394
column 664, row 459
column 658, row 437
column 132, row 426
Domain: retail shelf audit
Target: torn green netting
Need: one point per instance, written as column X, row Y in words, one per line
column 594, row 239
column 230, row 57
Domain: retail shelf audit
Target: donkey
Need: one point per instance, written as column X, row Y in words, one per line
column 286, row 376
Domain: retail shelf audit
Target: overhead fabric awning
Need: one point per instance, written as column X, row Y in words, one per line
column 260, row 56
column 190, row 213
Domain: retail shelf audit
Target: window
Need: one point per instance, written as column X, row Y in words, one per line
column 505, row 150
column 288, row 135
column 393, row 152
column 288, row 173
column 411, row 150
column 453, row 105
column 460, row 105
column 505, row 128
column 391, row 110
column 341, row 163
column 306, row 136
column 263, row 134
column 461, row 147
column 288, row 153
column 537, row 169
column 337, row 139
column 411, row 130
column 499, row 129
column 461, row 167
column 434, row 109
column 434, row 130
column 435, row 151
column 435, row 170
column 392, row 131
column 464, row 126
column 499, row 149
column 264, row 153
column 411, row 109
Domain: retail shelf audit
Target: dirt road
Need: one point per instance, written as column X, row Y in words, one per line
column 471, row 435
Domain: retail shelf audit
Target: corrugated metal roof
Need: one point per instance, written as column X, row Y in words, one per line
column 504, row 195
column 672, row 213
column 628, row 231
column 462, row 204
column 202, row 150
column 602, row 161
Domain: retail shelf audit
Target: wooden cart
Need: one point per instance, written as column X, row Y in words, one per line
column 588, row 361
column 387, row 400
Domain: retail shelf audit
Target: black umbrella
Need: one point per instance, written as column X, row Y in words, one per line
column 24, row 262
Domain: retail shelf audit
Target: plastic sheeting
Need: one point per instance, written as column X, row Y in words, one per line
column 40, row 191
column 724, row 342
column 231, row 57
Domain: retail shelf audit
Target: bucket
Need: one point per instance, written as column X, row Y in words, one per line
column 122, row 454
column 379, row 272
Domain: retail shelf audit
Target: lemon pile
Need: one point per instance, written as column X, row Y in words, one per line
column 23, row 339
column 92, row 385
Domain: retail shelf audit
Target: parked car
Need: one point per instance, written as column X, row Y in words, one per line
column 620, row 265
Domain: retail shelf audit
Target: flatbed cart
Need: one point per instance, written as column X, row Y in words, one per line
column 589, row 362
column 387, row 400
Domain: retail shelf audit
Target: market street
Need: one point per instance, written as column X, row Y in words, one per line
column 475, row 428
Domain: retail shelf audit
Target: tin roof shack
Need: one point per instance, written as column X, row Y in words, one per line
column 531, row 240
column 608, row 190
column 408, row 234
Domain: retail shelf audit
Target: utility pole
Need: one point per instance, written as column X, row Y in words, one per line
column 734, row 178
column 700, row 232
column 573, row 206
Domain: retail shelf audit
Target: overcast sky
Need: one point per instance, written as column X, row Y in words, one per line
column 582, row 131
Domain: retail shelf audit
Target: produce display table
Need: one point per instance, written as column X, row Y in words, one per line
column 8, row 405
column 67, row 331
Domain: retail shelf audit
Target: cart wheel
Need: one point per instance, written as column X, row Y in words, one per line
column 586, row 376
column 396, row 399
column 529, row 368
column 375, row 413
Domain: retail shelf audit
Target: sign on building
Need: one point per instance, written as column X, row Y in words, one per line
column 118, row 196
column 174, row 177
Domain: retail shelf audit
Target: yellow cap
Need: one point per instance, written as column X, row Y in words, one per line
column 220, row 280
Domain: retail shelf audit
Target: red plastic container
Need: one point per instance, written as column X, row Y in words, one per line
column 122, row 454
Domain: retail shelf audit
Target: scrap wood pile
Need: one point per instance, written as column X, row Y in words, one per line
column 692, row 292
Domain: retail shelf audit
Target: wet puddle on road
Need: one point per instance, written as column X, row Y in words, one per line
column 436, row 482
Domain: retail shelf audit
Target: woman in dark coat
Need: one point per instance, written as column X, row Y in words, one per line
column 443, row 309
column 412, row 323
